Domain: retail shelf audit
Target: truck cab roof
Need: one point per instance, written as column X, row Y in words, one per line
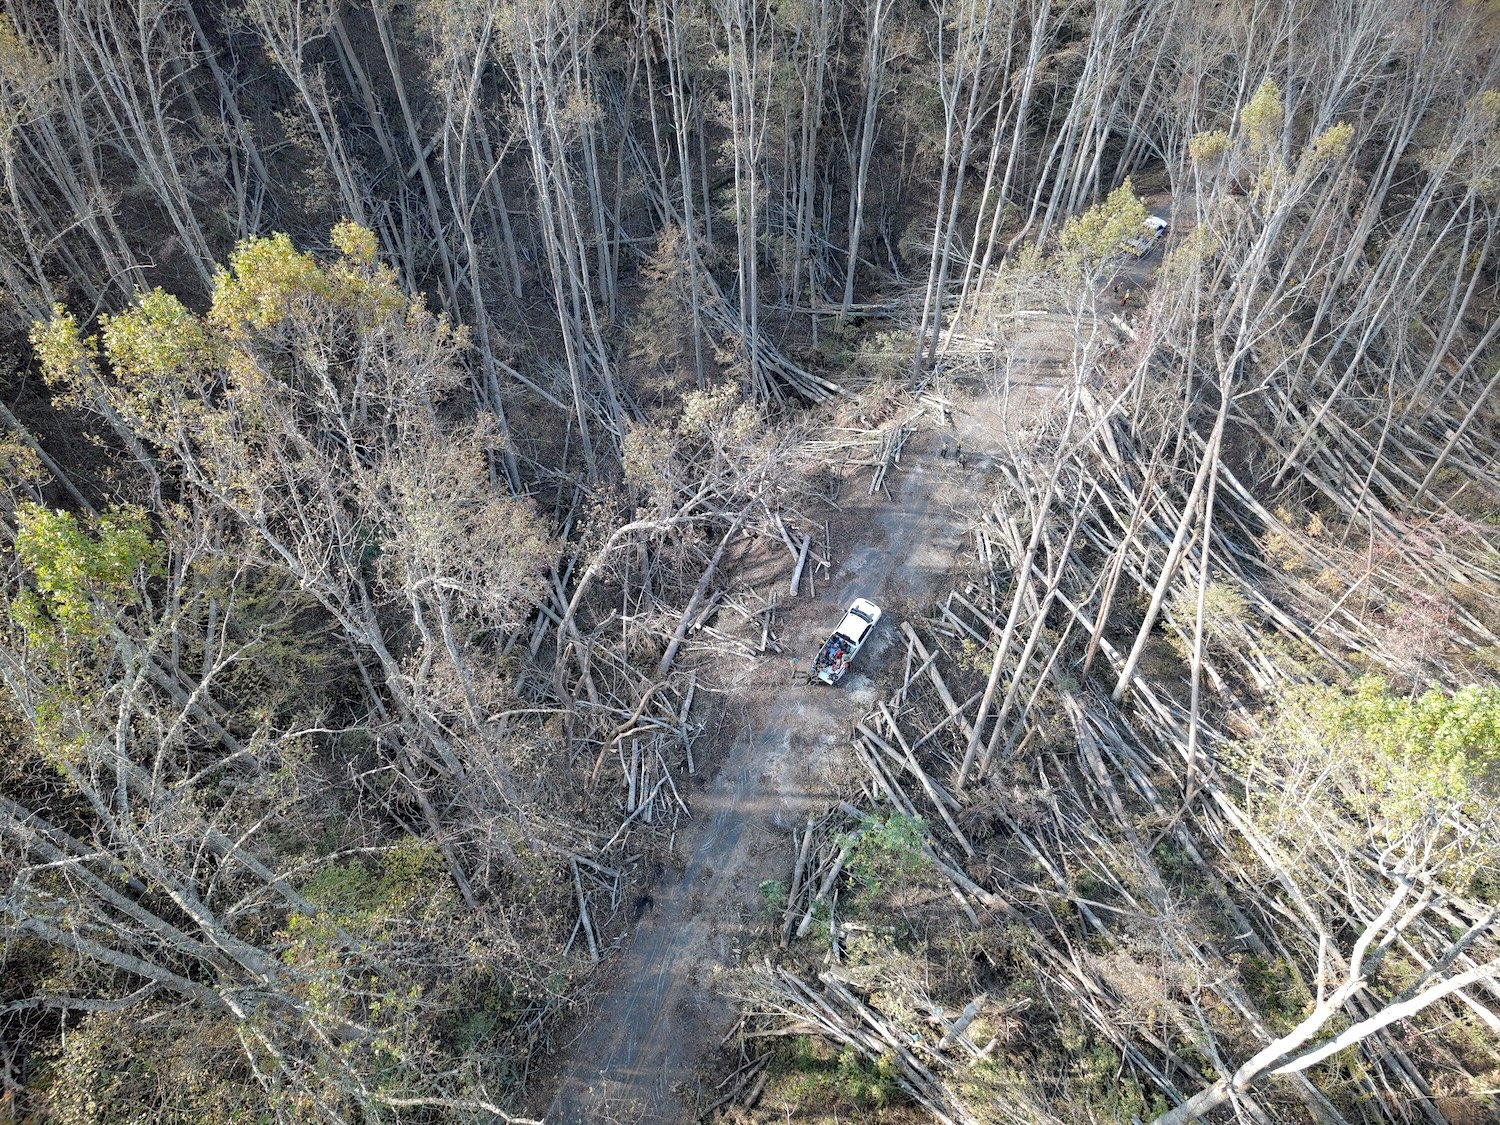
column 859, row 620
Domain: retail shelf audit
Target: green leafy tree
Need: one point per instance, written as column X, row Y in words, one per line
column 1401, row 755
column 1090, row 240
column 75, row 569
column 323, row 508
column 317, row 404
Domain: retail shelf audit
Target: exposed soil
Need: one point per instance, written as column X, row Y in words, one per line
column 664, row 1005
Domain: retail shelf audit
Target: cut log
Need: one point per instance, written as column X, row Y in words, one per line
column 801, row 562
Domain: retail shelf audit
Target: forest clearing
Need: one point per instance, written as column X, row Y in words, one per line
column 439, row 435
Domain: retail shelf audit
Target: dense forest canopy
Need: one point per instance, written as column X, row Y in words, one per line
column 394, row 390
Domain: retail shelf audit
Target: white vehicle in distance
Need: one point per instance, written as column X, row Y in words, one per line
column 838, row 651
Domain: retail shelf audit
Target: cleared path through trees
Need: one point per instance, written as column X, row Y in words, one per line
column 668, row 998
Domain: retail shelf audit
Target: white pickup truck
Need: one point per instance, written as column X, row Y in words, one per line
column 1141, row 244
column 838, row 651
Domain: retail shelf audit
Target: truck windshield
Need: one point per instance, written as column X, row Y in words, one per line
column 854, row 626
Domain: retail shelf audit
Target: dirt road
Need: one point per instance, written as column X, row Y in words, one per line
column 663, row 1007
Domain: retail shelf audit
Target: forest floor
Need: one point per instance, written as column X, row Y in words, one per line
column 665, row 1000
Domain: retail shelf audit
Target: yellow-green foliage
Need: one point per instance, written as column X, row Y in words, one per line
column 884, row 355
column 815, row 1075
column 399, row 895
column 1486, row 107
column 719, row 411
column 655, row 336
column 1260, row 130
column 61, row 348
column 1096, row 235
column 265, row 276
column 646, row 456
column 1262, row 117
column 28, row 78
column 157, row 337
column 1203, row 147
column 1331, row 144
column 19, row 462
column 116, row 1068
column 1224, row 612
column 1191, row 255
column 402, row 876
column 157, row 350
column 269, row 281
column 1409, row 752
column 355, row 242
column 887, row 852
column 76, row 569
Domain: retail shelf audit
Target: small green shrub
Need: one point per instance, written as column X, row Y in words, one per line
column 888, row 851
column 1277, row 990
column 1224, row 614
column 78, row 568
column 775, row 894
column 393, row 884
column 815, row 1074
